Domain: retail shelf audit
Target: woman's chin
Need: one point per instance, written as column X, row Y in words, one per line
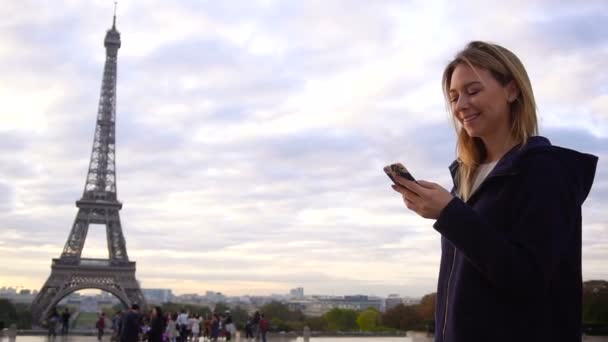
column 473, row 133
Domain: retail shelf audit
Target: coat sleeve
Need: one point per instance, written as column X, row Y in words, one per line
column 523, row 260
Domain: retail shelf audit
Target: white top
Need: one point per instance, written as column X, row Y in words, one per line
column 482, row 172
column 182, row 319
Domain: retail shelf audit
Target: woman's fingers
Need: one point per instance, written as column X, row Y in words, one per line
column 426, row 184
column 404, row 191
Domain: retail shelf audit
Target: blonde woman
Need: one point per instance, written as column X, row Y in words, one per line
column 511, row 227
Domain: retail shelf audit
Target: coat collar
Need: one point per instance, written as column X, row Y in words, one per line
column 507, row 165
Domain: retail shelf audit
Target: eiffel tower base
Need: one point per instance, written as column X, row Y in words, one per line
column 68, row 276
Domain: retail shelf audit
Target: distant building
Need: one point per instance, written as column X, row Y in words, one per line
column 392, row 301
column 157, row 296
column 18, row 296
column 298, row 292
column 320, row 305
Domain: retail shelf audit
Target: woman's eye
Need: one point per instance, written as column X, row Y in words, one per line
column 473, row 92
column 453, row 99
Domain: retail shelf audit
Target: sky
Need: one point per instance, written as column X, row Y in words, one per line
column 251, row 135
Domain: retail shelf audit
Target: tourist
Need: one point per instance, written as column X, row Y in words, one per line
column 207, row 327
column 229, row 326
column 116, row 321
column 182, row 323
column 131, row 325
column 65, row 322
column 215, row 327
column 248, row 329
column 100, row 325
column 255, row 325
column 511, row 228
column 264, row 325
column 52, row 322
column 171, row 329
column 195, row 327
column 157, row 325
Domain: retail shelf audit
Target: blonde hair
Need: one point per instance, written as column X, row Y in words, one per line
column 505, row 67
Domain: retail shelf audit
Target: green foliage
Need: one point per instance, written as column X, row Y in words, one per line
column 281, row 311
column 278, row 324
column 369, row 320
column 595, row 305
column 239, row 317
column 86, row 320
column 282, row 318
column 317, row 323
column 426, row 308
column 404, row 318
column 220, row 308
column 341, row 320
column 18, row 314
column 8, row 312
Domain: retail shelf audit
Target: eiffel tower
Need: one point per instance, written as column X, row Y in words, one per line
column 98, row 205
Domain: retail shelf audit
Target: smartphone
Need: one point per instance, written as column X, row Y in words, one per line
column 398, row 169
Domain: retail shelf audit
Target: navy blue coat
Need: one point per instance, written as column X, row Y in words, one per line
column 511, row 255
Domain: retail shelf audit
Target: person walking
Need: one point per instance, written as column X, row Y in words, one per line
column 116, row 323
column 100, row 325
column 510, row 228
column 65, row 321
column 172, row 332
column 182, row 323
column 264, row 326
column 248, row 329
column 215, row 327
column 229, row 326
column 195, row 327
column 255, row 326
column 52, row 323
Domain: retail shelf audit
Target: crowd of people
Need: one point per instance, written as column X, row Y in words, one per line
column 156, row 326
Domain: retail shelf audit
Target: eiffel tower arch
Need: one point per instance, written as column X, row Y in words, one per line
column 98, row 205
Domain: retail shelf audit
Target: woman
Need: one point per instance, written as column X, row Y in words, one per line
column 157, row 325
column 171, row 331
column 52, row 322
column 195, row 324
column 511, row 227
column 215, row 327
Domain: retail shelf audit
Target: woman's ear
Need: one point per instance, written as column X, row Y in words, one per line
column 512, row 91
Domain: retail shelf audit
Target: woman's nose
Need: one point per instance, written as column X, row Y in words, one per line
column 462, row 103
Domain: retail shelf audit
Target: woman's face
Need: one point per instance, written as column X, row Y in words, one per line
column 479, row 102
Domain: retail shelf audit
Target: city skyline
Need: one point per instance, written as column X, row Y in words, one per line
column 251, row 137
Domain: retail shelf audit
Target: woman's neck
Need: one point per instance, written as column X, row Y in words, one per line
column 497, row 145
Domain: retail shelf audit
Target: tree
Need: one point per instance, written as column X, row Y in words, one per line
column 317, row 323
column 8, row 312
column 239, row 316
column 595, row 302
column 341, row 320
column 426, row 308
column 403, row 317
column 221, row 308
column 11, row 313
column 369, row 320
column 281, row 311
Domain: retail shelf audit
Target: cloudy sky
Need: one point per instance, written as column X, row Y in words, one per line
column 251, row 135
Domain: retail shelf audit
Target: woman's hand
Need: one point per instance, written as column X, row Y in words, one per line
column 425, row 198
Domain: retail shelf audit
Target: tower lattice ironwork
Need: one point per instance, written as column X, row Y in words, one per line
column 99, row 205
